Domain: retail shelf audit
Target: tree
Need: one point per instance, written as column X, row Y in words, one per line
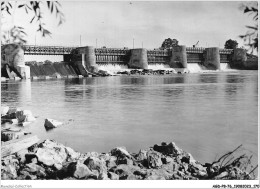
column 17, row 33
column 251, row 37
column 231, row 44
column 169, row 43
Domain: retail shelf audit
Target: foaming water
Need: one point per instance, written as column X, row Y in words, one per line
column 113, row 68
column 197, row 68
column 226, row 67
column 159, row 67
column 194, row 68
column 206, row 114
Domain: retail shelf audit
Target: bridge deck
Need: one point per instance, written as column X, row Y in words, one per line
column 60, row 50
column 46, row 50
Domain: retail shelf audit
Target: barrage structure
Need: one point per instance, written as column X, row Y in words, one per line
column 88, row 59
column 122, row 55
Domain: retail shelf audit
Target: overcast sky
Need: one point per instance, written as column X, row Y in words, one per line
column 115, row 24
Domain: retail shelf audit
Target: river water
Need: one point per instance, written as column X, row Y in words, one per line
column 206, row 114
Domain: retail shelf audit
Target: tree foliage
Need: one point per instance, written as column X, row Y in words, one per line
column 231, row 44
column 169, row 43
column 17, row 33
column 251, row 37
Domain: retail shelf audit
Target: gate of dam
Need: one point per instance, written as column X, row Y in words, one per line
column 87, row 59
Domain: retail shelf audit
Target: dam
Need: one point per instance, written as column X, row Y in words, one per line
column 86, row 61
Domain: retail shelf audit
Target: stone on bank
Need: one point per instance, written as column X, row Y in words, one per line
column 51, row 123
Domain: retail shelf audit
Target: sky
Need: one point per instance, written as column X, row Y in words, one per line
column 138, row 23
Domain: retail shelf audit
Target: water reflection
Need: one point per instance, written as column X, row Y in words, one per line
column 25, row 92
column 208, row 78
column 231, row 91
column 235, row 79
column 176, row 92
column 138, row 80
column 9, row 92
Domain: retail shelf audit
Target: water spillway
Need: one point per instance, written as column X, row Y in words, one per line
column 195, row 68
column 112, row 67
column 158, row 66
column 225, row 67
column 54, row 69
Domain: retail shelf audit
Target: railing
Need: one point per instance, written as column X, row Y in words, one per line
column 195, row 49
column 226, row 51
column 157, row 52
column 112, row 51
column 202, row 49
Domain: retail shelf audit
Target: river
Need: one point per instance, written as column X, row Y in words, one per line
column 206, row 114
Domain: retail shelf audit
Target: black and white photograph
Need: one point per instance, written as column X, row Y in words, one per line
column 103, row 94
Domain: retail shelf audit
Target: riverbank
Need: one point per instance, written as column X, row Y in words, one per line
column 52, row 160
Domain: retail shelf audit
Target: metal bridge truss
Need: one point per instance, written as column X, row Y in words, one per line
column 158, row 56
column 46, row 50
column 196, row 55
column 225, row 55
column 112, row 55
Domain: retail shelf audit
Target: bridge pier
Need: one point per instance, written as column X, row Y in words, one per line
column 79, row 61
column 138, row 59
column 179, row 57
column 88, row 58
column 212, row 58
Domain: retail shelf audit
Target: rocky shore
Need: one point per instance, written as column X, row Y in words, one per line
column 49, row 159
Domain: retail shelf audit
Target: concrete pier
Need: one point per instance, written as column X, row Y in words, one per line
column 138, row 59
column 80, row 63
column 179, row 57
column 89, row 59
column 212, row 58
